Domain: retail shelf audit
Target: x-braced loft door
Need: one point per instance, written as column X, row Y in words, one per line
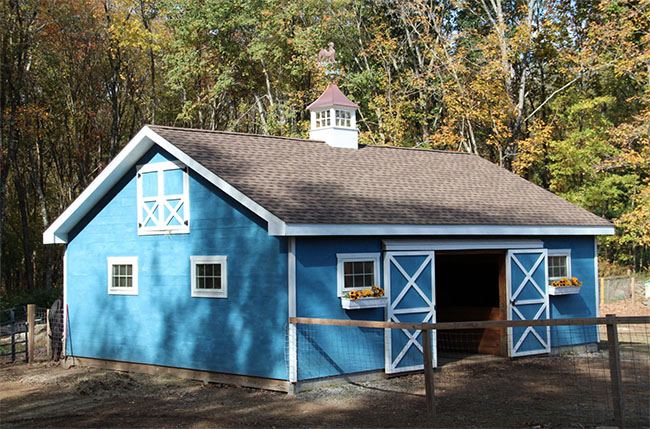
column 528, row 300
column 409, row 280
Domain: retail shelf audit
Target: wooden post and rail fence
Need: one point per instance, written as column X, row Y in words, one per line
column 611, row 321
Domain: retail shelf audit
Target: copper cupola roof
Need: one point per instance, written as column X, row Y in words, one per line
column 332, row 97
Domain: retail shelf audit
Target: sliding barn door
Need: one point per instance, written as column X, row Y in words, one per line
column 409, row 280
column 528, row 300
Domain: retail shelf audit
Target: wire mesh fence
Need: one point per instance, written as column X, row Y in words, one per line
column 15, row 329
column 619, row 288
column 587, row 378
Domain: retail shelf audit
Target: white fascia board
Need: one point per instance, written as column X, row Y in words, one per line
column 114, row 171
column 310, row 230
column 275, row 224
column 123, row 162
column 462, row 244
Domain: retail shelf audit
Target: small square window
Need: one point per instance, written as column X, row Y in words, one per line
column 559, row 264
column 342, row 118
column 209, row 276
column 357, row 271
column 123, row 275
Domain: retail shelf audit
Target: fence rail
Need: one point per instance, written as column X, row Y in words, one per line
column 598, row 373
column 475, row 324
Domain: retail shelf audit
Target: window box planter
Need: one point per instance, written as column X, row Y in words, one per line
column 370, row 302
column 563, row 290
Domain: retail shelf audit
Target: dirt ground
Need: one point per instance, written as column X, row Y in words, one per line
column 626, row 308
column 474, row 391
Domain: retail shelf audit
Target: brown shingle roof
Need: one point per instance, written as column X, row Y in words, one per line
column 308, row 182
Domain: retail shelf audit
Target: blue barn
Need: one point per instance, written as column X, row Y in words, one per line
column 192, row 249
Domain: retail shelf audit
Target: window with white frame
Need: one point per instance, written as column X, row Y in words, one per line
column 559, row 264
column 163, row 198
column 209, row 276
column 123, row 275
column 323, row 119
column 357, row 271
column 342, row 118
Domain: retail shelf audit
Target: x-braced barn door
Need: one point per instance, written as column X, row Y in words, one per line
column 409, row 280
column 528, row 300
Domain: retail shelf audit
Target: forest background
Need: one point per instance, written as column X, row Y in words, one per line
column 556, row 91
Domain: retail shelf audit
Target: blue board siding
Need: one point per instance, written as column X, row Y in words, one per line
column 163, row 324
column 331, row 350
column 326, row 350
column 582, row 304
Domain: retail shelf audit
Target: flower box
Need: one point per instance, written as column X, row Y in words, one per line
column 563, row 290
column 370, row 302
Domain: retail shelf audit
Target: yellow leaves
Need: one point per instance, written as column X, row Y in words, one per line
column 635, row 224
column 531, row 150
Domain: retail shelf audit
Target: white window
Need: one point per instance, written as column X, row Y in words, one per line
column 342, row 118
column 357, row 271
column 123, row 275
column 209, row 276
column 559, row 264
column 323, row 119
column 163, row 198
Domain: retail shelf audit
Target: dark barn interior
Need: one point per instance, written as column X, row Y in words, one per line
column 471, row 286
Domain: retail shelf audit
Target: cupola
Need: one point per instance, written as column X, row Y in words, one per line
column 333, row 119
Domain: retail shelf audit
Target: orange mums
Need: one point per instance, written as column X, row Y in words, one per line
column 564, row 282
column 374, row 292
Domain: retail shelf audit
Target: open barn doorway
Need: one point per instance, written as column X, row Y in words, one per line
column 471, row 286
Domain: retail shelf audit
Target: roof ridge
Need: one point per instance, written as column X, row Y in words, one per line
column 423, row 149
column 379, row 146
column 199, row 130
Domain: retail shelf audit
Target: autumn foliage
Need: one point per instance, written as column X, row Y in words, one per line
column 556, row 91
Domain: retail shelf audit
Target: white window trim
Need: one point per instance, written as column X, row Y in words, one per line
column 560, row 252
column 202, row 293
column 354, row 257
column 160, row 167
column 123, row 260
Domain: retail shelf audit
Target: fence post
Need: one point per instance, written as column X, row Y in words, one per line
column 13, row 335
column 602, row 291
column 615, row 370
column 31, row 328
column 428, row 373
column 632, row 290
column 48, row 333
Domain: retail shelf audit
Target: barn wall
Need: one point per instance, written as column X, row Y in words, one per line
column 325, row 351
column 332, row 350
column 163, row 324
column 582, row 304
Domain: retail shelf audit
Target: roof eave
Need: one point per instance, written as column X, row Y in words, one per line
column 476, row 230
column 58, row 231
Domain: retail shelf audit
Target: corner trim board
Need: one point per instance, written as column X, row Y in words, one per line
column 293, row 339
